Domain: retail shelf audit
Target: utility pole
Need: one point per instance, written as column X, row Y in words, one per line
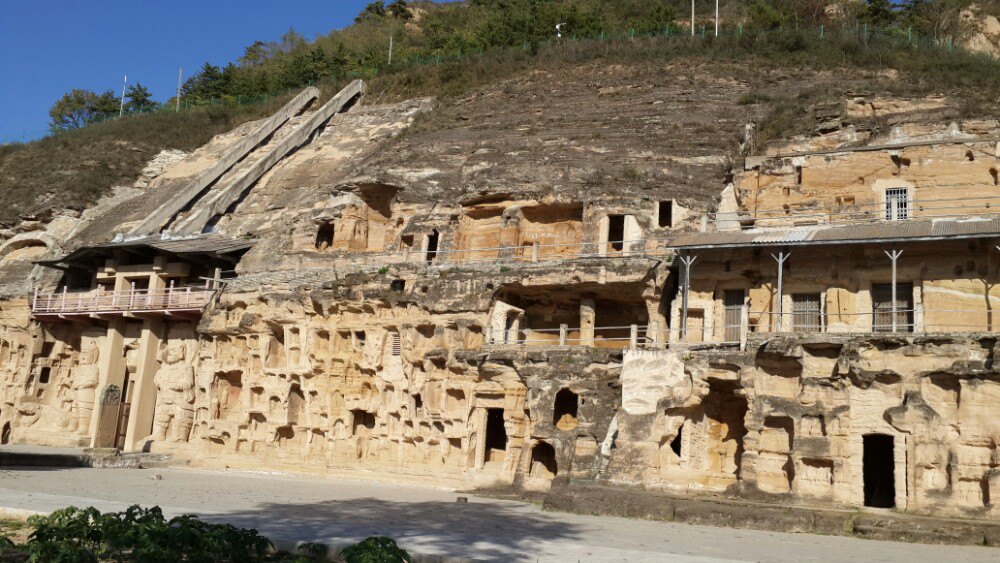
column 121, row 106
column 178, row 97
column 692, row 18
column 390, row 49
column 716, row 18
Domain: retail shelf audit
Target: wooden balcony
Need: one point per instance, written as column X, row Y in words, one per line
column 182, row 302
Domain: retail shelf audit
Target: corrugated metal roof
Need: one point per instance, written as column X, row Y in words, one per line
column 209, row 244
column 212, row 244
column 933, row 229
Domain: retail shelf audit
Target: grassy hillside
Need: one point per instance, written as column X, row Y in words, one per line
column 72, row 169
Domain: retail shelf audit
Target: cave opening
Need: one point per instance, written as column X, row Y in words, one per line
column 878, row 471
column 565, row 410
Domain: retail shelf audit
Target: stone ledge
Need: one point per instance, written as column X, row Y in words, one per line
column 98, row 458
column 651, row 505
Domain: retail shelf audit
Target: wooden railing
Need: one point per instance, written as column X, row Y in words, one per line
column 100, row 301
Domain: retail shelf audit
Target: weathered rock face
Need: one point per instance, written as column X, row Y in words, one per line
column 827, row 416
column 491, row 299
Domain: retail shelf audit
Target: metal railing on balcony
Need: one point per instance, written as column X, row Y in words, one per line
column 511, row 256
column 611, row 337
column 833, row 213
column 917, row 320
column 99, row 301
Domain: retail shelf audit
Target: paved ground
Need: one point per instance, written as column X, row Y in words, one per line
column 429, row 520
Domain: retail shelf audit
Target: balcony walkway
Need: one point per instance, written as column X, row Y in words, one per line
column 183, row 302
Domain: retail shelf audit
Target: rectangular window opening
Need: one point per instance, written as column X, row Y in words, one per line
column 432, row 246
column 882, row 310
column 616, row 232
column 806, row 312
column 897, row 204
column 665, row 214
column 733, row 300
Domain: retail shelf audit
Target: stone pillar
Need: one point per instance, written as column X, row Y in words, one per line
column 603, row 226
column 632, row 234
column 587, row 319
column 111, row 362
column 140, row 420
column 480, row 448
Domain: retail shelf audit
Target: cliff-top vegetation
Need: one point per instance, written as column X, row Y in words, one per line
column 447, row 49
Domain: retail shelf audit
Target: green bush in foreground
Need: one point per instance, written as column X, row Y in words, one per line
column 138, row 534
column 74, row 535
column 375, row 550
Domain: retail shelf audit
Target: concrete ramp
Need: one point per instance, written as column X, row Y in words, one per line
column 166, row 212
column 218, row 202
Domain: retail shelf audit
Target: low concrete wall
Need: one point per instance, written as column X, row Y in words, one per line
column 889, row 526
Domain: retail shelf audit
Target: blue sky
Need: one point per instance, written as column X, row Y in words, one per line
column 48, row 47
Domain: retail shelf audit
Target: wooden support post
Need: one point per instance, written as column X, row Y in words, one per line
column 563, row 330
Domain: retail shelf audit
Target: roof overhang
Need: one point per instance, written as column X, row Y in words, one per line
column 868, row 233
column 211, row 247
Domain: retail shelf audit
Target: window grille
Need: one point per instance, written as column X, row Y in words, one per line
column 733, row 301
column 807, row 315
column 897, row 204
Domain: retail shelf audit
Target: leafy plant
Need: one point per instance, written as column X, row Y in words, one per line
column 75, row 535
column 379, row 549
column 315, row 550
column 5, row 544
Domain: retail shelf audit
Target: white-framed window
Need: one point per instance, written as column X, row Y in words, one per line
column 897, row 204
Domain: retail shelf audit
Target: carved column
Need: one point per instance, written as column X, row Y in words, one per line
column 140, row 419
column 111, row 362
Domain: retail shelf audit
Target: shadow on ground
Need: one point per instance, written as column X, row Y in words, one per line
column 472, row 530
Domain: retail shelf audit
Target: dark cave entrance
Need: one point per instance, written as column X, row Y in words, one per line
column 496, row 435
column 878, row 469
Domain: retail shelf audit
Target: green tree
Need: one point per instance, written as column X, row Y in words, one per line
column 374, row 10
column 255, row 54
column 878, row 13
column 79, row 107
column 765, row 15
column 937, row 18
column 207, row 84
column 308, row 66
column 139, row 98
column 399, row 9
